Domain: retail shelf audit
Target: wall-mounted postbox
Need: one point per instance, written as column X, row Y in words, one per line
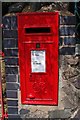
column 38, row 57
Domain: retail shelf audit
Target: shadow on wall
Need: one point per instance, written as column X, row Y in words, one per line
column 14, row 7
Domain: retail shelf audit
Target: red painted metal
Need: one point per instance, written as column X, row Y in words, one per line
column 38, row 34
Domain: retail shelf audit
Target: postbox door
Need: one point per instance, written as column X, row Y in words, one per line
column 41, row 73
column 38, row 57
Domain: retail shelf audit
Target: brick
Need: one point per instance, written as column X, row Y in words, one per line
column 77, row 49
column 59, row 114
column 14, row 117
column 24, row 111
column 10, row 34
column 67, row 20
column 12, row 86
column 60, row 41
column 11, row 52
column 11, row 94
column 10, row 43
column 77, row 40
column 69, row 41
column 67, row 51
column 65, row 31
column 11, row 61
column 12, row 110
column 11, row 70
column 11, row 78
column 12, row 102
column 14, row 22
column 6, row 22
column 18, row 78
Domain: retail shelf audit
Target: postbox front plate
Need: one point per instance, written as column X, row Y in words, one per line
column 38, row 57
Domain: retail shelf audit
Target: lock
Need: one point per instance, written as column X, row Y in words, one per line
column 37, row 45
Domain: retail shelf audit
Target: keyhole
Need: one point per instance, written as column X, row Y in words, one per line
column 37, row 45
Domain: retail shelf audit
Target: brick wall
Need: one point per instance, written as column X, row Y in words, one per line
column 67, row 44
column 10, row 44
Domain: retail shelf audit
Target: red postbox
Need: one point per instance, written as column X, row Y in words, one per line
column 38, row 57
